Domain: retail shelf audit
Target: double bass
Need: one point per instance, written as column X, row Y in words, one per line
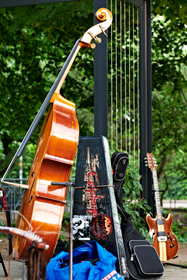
column 43, row 204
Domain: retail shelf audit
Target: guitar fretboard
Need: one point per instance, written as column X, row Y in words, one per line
column 157, row 195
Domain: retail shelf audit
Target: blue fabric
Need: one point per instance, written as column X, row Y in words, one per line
column 58, row 267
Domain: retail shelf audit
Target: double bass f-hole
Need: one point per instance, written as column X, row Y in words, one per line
column 31, row 197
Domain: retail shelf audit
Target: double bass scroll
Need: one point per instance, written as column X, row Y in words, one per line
column 43, row 204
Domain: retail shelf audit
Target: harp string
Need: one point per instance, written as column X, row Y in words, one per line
column 124, row 79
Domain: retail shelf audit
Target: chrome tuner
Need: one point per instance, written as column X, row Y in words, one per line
column 93, row 45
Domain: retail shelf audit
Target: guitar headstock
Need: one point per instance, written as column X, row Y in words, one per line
column 151, row 161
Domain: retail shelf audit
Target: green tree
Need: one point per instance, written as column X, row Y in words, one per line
column 169, row 100
column 35, row 42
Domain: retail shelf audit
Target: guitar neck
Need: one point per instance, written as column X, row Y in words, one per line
column 161, row 239
column 160, row 242
column 157, row 195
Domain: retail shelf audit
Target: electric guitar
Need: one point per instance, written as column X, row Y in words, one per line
column 164, row 240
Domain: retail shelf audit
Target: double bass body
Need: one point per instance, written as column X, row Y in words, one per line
column 43, row 204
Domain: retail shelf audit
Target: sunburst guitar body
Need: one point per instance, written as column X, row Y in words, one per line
column 164, row 240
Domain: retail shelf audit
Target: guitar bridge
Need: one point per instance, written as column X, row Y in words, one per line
column 162, row 238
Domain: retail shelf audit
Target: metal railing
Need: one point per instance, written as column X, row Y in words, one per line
column 14, row 196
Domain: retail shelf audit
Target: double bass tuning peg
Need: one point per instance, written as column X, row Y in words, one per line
column 97, row 40
column 93, row 45
column 103, row 31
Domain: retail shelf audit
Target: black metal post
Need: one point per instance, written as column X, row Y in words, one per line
column 145, row 98
column 100, row 81
column 149, row 98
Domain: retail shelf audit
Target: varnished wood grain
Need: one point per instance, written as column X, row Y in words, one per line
column 171, row 243
column 43, row 205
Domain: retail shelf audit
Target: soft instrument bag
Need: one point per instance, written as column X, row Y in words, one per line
column 142, row 259
column 90, row 262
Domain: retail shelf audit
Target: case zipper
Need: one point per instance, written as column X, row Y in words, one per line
column 132, row 257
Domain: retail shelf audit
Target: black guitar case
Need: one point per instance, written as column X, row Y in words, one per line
column 143, row 261
column 95, row 215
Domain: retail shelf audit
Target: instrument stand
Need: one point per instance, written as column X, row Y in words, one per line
column 9, row 236
column 166, row 263
column 174, row 264
column 71, row 185
column 2, row 195
column 3, row 265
